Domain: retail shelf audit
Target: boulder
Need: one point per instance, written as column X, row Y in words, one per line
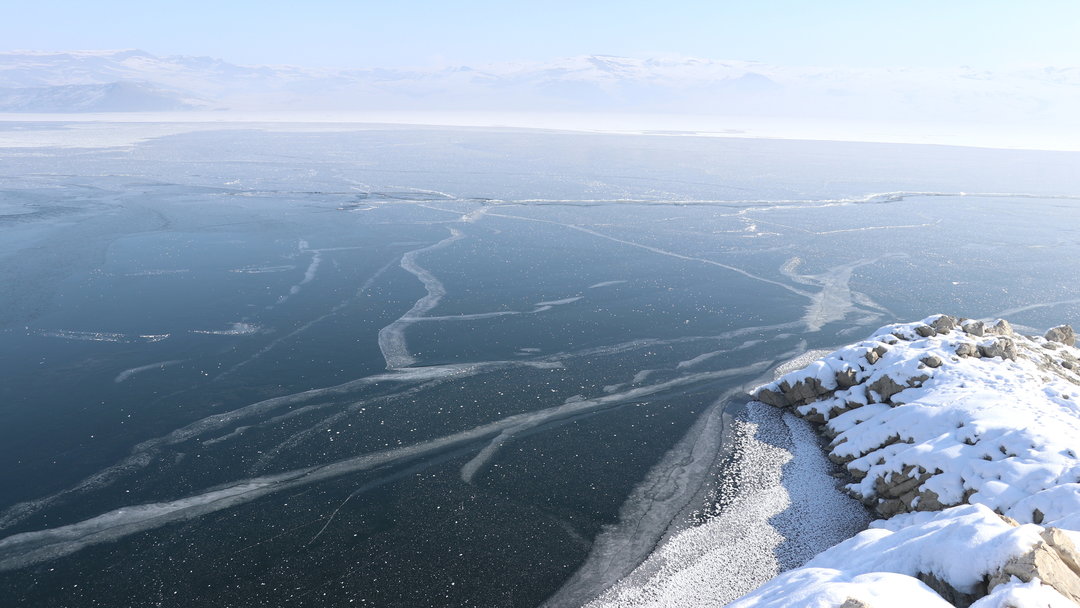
column 771, row 397
column 929, row 501
column 932, row 361
column 875, row 354
column 944, row 324
column 842, row 460
column 847, row 406
column 897, row 486
column 885, row 387
column 1053, row 560
column 786, row 394
column 998, row 347
column 1063, row 334
column 846, row 378
column 925, row 331
column 1001, row 328
column 804, row 391
column 886, row 508
column 966, row 349
column 973, row 327
column 948, row 592
column 1065, row 547
column 916, row 381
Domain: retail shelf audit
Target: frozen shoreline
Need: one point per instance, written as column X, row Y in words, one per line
column 778, row 479
column 772, row 475
column 92, row 128
column 960, row 434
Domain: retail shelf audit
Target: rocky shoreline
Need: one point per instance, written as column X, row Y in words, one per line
column 963, row 437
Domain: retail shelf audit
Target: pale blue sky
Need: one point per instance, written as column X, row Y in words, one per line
column 363, row 33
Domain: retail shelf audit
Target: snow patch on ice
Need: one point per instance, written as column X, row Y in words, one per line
column 127, row 373
column 836, row 300
column 557, row 302
column 236, row 329
column 97, row 336
column 261, row 269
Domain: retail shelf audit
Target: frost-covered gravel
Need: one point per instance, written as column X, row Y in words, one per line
column 782, row 508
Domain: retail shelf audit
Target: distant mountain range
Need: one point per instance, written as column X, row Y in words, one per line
column 121, row 96
column 133, row 80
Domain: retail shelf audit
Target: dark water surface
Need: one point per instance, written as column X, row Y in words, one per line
column 196, row 330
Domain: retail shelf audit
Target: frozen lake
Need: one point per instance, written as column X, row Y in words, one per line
column 421, row 366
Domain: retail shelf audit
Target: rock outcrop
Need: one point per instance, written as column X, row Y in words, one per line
column 931, row 416
column 877, row 372
column 1053, row 561
column 1063, row 334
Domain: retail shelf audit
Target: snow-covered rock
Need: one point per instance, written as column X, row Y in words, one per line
column 964, row 436
column 963, row 556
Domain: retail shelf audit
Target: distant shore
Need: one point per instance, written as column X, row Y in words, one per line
column 669, row 125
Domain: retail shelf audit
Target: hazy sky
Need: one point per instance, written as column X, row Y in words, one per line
column 362, row 33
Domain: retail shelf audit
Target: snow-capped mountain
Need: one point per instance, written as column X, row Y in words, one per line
column 121, row 96
column 574, row 84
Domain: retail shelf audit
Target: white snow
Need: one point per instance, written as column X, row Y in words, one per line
column 960, row 545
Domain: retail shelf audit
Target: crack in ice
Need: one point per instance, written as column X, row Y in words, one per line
column 392, row 343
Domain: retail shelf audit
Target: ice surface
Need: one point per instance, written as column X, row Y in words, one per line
column 114, row 256
column 27, row 548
